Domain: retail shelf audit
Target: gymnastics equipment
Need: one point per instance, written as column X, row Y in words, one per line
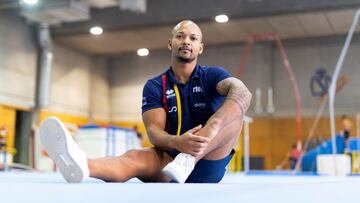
column 332, row 89
column 272, row 36
column 258, row 107
column 247, row 121
column 270, row 108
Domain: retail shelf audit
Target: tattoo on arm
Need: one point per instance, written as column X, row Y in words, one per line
column 235, row 90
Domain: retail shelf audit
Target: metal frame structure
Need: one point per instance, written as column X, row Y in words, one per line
column 323, row 103
column 358, row 127
column 247, row 122
column 272, row 36
column 332, row 89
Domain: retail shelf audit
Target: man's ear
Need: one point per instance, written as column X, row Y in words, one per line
column 169, row 44
column 201, row 48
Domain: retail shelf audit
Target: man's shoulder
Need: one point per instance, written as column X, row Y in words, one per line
column 157, row 79
column 212, row 75
column 211, row 69
column 207, row 72
column 154, row 84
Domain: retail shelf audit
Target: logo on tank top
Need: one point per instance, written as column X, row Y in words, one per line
column 170, row 93
column 197, row 89
column 144, row 101
column 200, row 105
column 173, row 109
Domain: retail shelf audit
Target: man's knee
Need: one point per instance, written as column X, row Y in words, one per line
column 135, row 159
column 142, row 157
column 135, row 155
column 147, row 161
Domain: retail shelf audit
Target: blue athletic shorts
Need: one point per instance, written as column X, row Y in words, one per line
column 207, row 171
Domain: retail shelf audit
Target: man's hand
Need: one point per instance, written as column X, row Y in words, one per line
column 190, row 143
column 208, row 132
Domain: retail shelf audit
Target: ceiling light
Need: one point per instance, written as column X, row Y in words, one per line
column 143, row 52
column 222, row 18
column 30, row 2
column 96, row 30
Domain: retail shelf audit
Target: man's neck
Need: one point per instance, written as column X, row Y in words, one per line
column 183, row 71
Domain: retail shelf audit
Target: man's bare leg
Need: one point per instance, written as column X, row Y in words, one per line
column 145, row 164
column 75, row 167
column 222, row 144
column 220, row 147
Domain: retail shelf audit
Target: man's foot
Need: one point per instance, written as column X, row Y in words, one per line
column 180, row 168
column 61, row 148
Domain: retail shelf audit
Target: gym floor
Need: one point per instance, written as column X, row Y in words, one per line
column 86, row 62
column 51, row 187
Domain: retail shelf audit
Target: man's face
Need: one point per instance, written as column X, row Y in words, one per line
column 186, row 42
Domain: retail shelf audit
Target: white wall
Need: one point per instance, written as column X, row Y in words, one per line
column 99, row 90
column 79, row 84
column 308, row 55
column 70, row 79
column 128, row 75
column 17, row 61
column 257, row 72
column 83, row 85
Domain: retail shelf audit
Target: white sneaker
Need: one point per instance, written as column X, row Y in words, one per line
column 180, row 168
column 61, row 148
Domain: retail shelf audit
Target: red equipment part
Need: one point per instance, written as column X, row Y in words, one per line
column 272, row 36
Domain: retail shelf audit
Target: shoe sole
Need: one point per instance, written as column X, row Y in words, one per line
column 172, row 173
column 53, row 138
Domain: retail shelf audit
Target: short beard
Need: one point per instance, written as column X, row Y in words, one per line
column 185, row 60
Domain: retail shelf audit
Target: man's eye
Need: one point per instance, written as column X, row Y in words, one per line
column 194, row 38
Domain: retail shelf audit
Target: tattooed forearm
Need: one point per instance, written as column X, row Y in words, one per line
column 236, row 91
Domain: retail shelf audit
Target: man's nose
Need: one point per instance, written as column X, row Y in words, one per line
column 186, row 41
